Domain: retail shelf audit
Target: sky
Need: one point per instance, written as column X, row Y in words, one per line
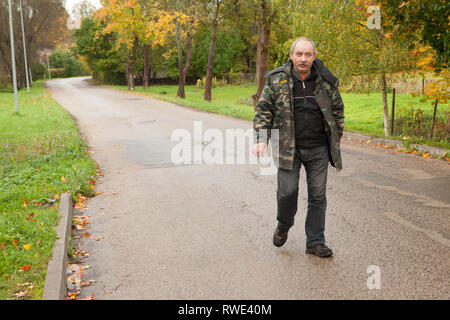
column 71, row 3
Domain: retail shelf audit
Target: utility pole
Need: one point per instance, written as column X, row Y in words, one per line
column 24, row 47
column 13, row 58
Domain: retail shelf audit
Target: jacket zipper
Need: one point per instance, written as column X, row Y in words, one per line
column 291, row 104
column 304, row 95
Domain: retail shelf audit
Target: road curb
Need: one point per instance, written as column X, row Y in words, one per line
column 399, row 144
column 55, row 287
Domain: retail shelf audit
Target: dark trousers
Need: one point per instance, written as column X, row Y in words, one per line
column 315, row 160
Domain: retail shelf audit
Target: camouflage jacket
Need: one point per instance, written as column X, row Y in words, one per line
column 275, row 110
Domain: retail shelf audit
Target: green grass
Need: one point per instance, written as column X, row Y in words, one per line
column 363, row 112
column 230, row 101
column 38, row 146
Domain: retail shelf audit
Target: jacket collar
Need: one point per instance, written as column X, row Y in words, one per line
column 322, row 71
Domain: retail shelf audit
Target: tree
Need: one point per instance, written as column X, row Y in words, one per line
column 229, row 54
column 174, row 22
column 267, row 12
column 104, row 60
column 45, row 23
column 423, row 22
column 213, row 8
column 67, row 61
column 127, row 19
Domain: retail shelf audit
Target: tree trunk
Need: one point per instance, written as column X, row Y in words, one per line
column 251, row 56
column 128, row 70
column 146, row 67
column 265, row 20
column 21, row 76
column 180, row 92
column 210, row 66
column 188, row 56
column 131, row 65
column 385, row 104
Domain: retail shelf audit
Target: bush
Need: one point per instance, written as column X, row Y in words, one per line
column 66, row 63
column 215, row 83
column 416, row 123
column 5, row 84
column 38, row 71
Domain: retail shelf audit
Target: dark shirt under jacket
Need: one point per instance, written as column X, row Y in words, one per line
column 309, row 123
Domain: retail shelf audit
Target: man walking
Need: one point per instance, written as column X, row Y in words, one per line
column 301, row 100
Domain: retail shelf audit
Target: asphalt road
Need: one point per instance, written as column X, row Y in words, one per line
column 204, row 231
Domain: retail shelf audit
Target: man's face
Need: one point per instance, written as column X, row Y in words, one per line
column 303, row 56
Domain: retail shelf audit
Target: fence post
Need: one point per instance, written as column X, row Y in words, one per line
column 393, row 112
column 423, row 85
column 434, row 119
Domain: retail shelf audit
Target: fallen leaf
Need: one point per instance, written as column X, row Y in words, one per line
column 25, row 268
column 88, row 298
column 86, row 283
column 23, row 284
column 21, row 294
column 81, row 198
column 72, row 295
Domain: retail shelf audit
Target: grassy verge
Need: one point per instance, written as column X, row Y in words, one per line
column 363, row 112
column 41, row 156
column 232, row 101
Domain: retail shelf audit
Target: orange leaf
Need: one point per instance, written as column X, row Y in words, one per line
column 25, row 268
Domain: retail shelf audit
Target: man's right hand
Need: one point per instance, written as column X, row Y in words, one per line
column 259, row 149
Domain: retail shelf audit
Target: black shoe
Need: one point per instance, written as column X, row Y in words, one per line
column 279, row 237
column 320, row 250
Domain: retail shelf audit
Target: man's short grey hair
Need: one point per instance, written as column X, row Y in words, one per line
column 303, row 39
